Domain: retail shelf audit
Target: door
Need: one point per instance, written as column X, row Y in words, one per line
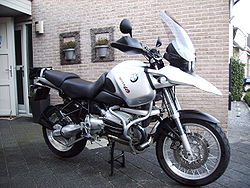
column 7, row 62
column 23, row 52
column 20, row 79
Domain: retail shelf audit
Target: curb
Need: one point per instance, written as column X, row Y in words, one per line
column 246, row 106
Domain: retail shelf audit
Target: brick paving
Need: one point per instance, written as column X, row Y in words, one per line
column 25, row 160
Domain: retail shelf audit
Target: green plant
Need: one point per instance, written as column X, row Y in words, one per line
column 69, row 44
column 247, row 98
column 32, row 94
column 237, row 79
column 102, row 41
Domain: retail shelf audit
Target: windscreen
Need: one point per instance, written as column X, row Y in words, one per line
column 181, row 41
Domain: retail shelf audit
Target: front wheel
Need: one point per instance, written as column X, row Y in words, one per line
column 210, row 148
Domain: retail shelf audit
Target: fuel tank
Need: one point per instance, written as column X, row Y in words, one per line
column 131, row 83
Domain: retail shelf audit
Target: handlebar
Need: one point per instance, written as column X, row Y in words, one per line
column 154, row 56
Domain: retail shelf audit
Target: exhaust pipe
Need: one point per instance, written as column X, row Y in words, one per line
column 145, row 144
column 123, row 145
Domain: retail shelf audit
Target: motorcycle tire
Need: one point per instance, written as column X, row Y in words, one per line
column 204, row 167
column 58, row 148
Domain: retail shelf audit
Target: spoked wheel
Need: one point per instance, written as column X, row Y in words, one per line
column 58, row 144
column 210, row 154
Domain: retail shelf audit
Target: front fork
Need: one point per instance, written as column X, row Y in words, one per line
column 173, row 106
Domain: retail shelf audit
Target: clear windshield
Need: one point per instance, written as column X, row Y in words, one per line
column 182, row 43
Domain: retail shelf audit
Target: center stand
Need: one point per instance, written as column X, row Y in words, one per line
column 115, row 158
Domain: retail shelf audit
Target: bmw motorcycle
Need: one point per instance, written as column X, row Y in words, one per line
column 135, row 105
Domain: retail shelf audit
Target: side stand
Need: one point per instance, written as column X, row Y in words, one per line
column 115, row 158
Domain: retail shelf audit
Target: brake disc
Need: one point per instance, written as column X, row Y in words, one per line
column 200, row 149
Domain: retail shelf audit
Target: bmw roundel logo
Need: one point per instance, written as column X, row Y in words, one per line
column 134, row 77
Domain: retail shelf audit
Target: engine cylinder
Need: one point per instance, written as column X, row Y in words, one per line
column 113, row 124
column 96, row 125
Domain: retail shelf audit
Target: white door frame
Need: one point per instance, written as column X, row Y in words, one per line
column 12, row 63
column 23, row 28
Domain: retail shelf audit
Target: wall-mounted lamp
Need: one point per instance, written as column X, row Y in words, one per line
column 39, row 28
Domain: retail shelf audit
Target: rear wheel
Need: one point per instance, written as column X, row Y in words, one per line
column 211, row 154
column 58, row 144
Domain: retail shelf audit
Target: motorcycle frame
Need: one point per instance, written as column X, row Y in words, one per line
column 169, row 101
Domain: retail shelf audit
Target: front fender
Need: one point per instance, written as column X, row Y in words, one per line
column 194, row 114
column 184, row 114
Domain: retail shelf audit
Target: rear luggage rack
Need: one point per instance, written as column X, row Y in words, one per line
column 35, row 72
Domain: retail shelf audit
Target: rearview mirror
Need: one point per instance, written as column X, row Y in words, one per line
column 158, row 42
column 126, row 27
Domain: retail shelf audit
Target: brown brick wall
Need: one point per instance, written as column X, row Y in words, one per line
column 205, row 21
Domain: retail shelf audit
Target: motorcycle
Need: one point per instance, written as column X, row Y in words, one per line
column 135, row 105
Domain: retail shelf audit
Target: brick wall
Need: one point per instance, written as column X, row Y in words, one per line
column 205, row 21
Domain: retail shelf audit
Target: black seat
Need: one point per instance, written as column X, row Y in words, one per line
column 58, row 77
column 78, row 88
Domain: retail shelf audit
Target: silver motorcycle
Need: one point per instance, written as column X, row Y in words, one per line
column 135, row 105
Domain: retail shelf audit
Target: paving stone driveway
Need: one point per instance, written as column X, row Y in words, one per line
column 25, row 160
